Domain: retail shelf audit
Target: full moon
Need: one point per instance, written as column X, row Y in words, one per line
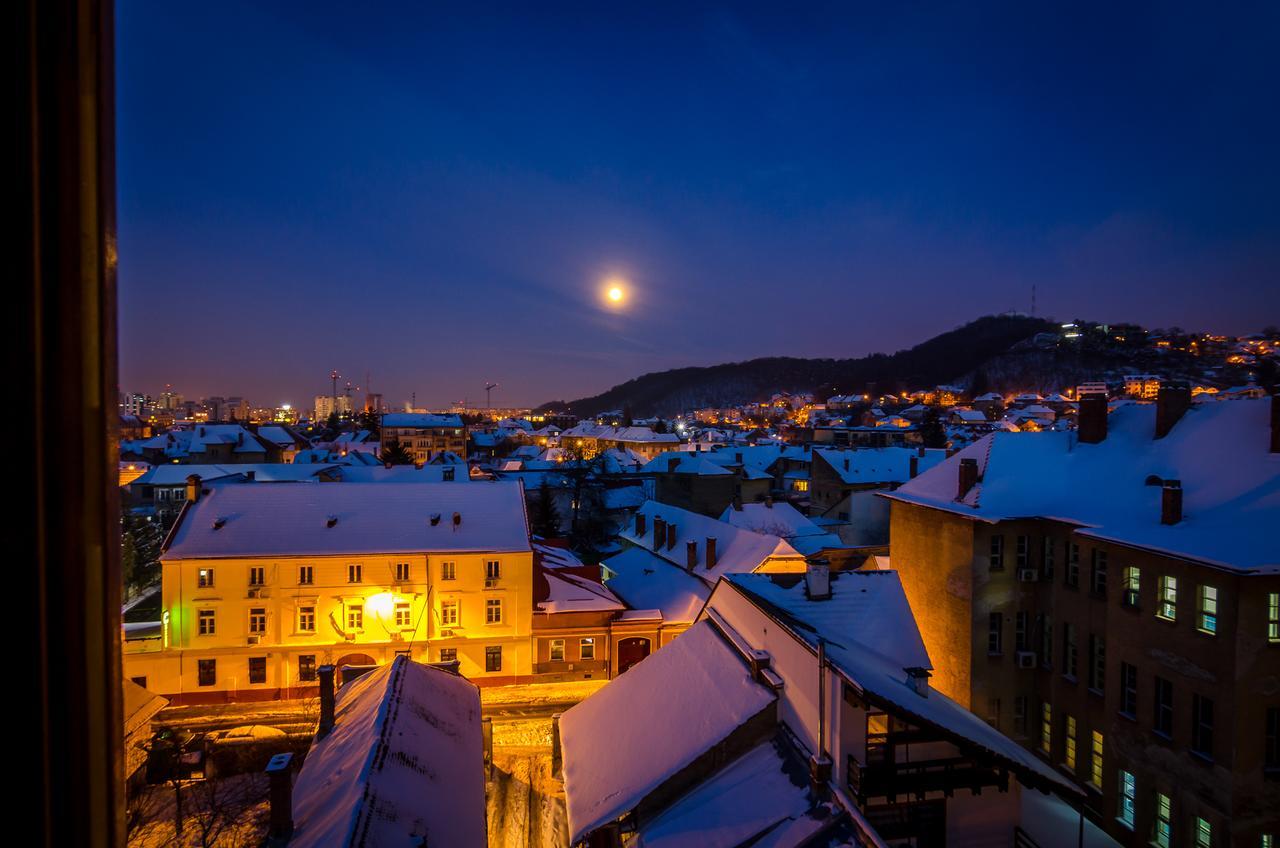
column 615, row 294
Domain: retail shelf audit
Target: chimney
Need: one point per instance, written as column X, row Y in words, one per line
column 1171, row 502
column 640, row 525
column 326, row 700
column 251, row 476
column 968, row 476
column 659, row 532
column 846, row 463
column 691, row 554
column 914, row 468
column 918, row 680
column 737, row 503
column 768, row 502
column 280, row 776
column 817, row 579
column 673, row 462
column 711, row 552
column 193, row 488
column 1172, row 401
column 920, row 451
column 1091, row 423
column 386, row 465
column 447, row 475
column 1275, row 423
column 671, row 535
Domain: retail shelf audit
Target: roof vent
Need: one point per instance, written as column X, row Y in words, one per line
column 457, row 520
column 218, row 523
column 918, row 680
column 333, row 520
column 435, row 519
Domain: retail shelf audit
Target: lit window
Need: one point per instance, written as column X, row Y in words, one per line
column 206, row 622
column 207, row 672
column 306, row 619
column 448, row 655
column 1204, row 833
column 355, row 573
column 1168, row 598
column 306, row 575
column 204, row 578
column 587, row 648
column 1069, row 731
column 448, row 571
column 257, row 620
column 1095, row 760
column 449, row 613
column 403, row 614
column 1273, row 617
column 355, row 617
column 1132, row 582
column 1046, row 727
column 1128, row 794
column 1207, row 621
column 1162, row 830
column 492, row 570
column 557, row 650
column 493, row 611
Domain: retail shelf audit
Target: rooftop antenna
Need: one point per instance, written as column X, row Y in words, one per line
column 488, row 387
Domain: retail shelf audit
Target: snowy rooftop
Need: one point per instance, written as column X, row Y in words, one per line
column 618, row 434
column 644, row 581
column 420, row 419
column 685, row 462
column 1219, row 452
column 868, row 466
column 402, row 474
column 563, row 583
column 630, row 737
column 263, row 472
column 350, row 518
column 784, row 521
column 404, row 762
column 736, row 549
column 872, row 638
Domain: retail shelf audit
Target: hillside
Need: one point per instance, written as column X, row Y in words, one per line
column 945, row 358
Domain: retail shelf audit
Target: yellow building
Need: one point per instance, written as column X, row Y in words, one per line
column 262, row 584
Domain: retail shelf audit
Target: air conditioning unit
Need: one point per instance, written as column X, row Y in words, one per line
column 1026, row 659
column 254, row 639
column 491, row 582
column 255, row 591
column 397, row 637
column 446, row 634
column 1028, row 575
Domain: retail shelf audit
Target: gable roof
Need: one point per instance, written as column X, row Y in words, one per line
column 420, row 420
column 646, row 582
column 783, row 520
column 870, row 466
column 736, row 549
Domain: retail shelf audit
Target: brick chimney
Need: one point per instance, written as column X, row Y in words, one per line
column 193, row 488
column 659, row 532
column 1275, row 423
column 1171, row 502
column 1172, row 401
column 671, row 535
column 251, row 476
column 325, row 672
column 968, row 476
column 691, row 554
column 1091, row 423
column 711, row 552
column 280, row 777
column 640, row 525
column 914, row 468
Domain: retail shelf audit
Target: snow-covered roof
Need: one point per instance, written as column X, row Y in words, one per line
column 685, row 462
column 351, row 518
column 630, row 737
column 402, row 474
column 263, row 472
column 872, row 638
column 1219, row 452
column 420, row 420
column 974, row 416
column 563, row 583
column 322, row 456
column 644, row 581
column 588, row 430
column 784, row 521
column 403, row 765
column 871, row 466
column 276, row 434
column 736, row 549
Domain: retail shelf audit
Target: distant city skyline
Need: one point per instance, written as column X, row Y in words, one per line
column 443, row 200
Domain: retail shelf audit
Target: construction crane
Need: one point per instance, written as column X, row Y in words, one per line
column 488, row 387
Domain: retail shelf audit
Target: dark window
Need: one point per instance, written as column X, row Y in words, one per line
column 1022, row 550
column 997, row 552
column 1020, row 631
column 1098, row 573
column 1069, row 650
column 1072, row 575
column 995, row 633
column 306, row 667
column 257, row 669
column 207, row 672
column 1271, row 751
column 493, row 658
column 448, row 654
column 1202, row 725
column 1128, row 689
column 1097, row 662
column 141, row 681
column 1046, row 641
column 1048, row 557
column 1020, row 715
column 1162, row 719
column 993, row 712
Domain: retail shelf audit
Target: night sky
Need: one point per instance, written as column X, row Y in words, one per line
column 438, row 197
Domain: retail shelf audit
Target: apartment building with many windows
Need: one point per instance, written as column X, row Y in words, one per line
column 1112, row 600
column 264, row 584
column 425, row 435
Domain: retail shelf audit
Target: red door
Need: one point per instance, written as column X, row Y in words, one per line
column 631, row 651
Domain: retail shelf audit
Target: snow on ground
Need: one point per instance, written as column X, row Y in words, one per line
column 224, row 811
column 540, row 693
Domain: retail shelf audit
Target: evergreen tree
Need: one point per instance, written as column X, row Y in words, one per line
column 544, row 518
column 932, row 431
column 396, row 453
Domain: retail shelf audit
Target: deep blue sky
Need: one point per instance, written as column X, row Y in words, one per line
column 435, row 196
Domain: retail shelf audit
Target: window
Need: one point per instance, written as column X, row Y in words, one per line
column 1022, row 551
column 1168, row 608
column 1097, row 662
column 1046, row 727
column 257, row 575
column 1045, row 623
column 1020, row 631
column 1048, row 557
column 403, row 614
column 492, row 570
column 995, row 634
column 1128, row 796
column 1207, row 620
column 306, row 667
column 996, row 559
column 557, row 650
column 1203, row 833
column 1162, row 720
column 207, row 672
column 993, row 712
column 449, row 613
column 355, row 573
column 258, row 620
column 1069, row 753
column 1132, row 582
column 1069, row 651
column 587, row 648
column 1162, row 829
column 306, row 575
column 1098, row 573
column 1128, row 690
column 1020, row 716
column 204, row 578
column 448, row 655
column 257, row 669
column 448, row 571
column 1271, row 745
column 355, row 616
column 306, row 619
column 206, row 622
column 1273, row 617
column 1095, row 760
column 1202, row 726
column 493, row 611
column 402, row 571
column 493, row 658
column 1072, row 575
